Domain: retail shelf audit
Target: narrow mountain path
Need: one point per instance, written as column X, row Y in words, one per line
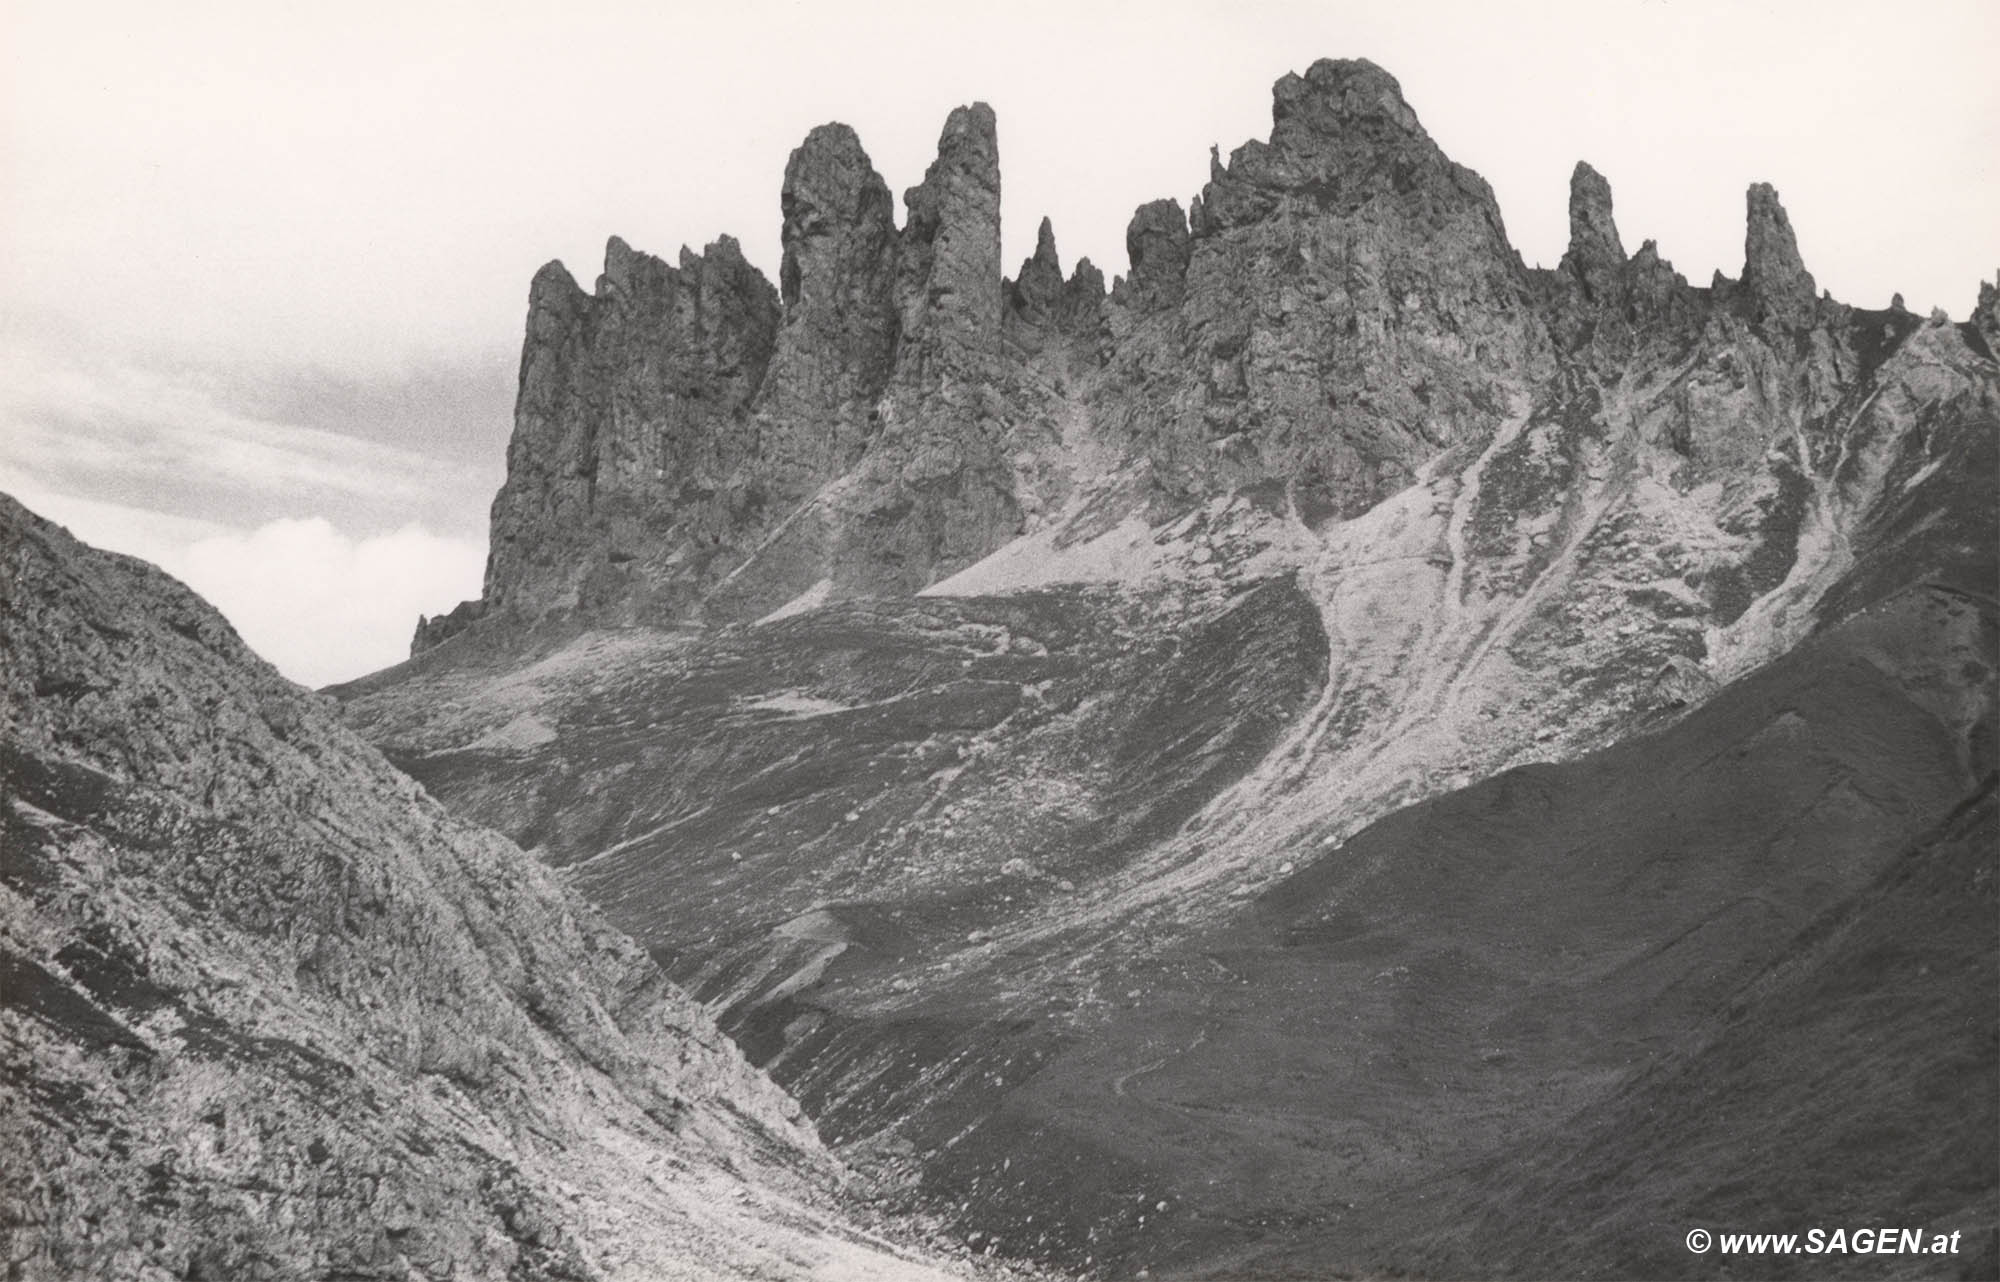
column 1120, row 1082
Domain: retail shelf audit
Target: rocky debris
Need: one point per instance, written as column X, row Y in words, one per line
column 271, row 1013
column 1173, row 766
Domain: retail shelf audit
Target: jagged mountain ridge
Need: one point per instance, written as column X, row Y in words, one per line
column 678, row 419
column 1339, row 306
column 1333, row 517
column 271, row 1013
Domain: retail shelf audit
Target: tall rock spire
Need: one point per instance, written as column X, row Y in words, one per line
column 1156, row 241
column 1986, row 314
column 1773, row 273
column 1038, row 290
column 948, row 287
column 837, row 343
column 1596, row 254
column 626, row 427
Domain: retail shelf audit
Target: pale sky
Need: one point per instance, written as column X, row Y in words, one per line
column 263, row 266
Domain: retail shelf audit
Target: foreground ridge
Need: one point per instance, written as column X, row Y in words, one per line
column 269, row 1012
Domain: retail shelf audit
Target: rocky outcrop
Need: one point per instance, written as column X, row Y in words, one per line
column 948, row 274
column 1985, row 320
column 1774, row 276
column 1083, row 300
column 628, row 468
column 1337, row 308
column 434, row 632
column 1157, row 246
column 836, row 348
column 1060, row 321
column 1349, row 307
column 691, row 443
column 270, row 1012
column 1596, row 257
column 1036, row 294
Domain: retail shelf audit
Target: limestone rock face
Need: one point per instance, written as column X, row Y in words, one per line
column 930, row 489
column 1596, row 257
column 1337, row 309
column 936, row 493
column 1036, row 293
column 1350, row 308
column 948, row 286
column 1773, row 273
column 1156, row 243
column 691, row 443
column 1339, row 305
column 837, row 345
column 631, row 434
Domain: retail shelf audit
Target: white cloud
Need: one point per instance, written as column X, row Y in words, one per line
column 323, row 606
column 320, row 604
column 302, row 537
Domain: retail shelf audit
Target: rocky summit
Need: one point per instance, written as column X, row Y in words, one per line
column 1338, row 754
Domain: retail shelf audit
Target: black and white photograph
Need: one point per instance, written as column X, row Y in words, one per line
column 875, row 641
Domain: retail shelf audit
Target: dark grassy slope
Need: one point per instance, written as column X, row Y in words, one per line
column 1301, row 1086
column 1853, row 1082
column 1462, row 978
